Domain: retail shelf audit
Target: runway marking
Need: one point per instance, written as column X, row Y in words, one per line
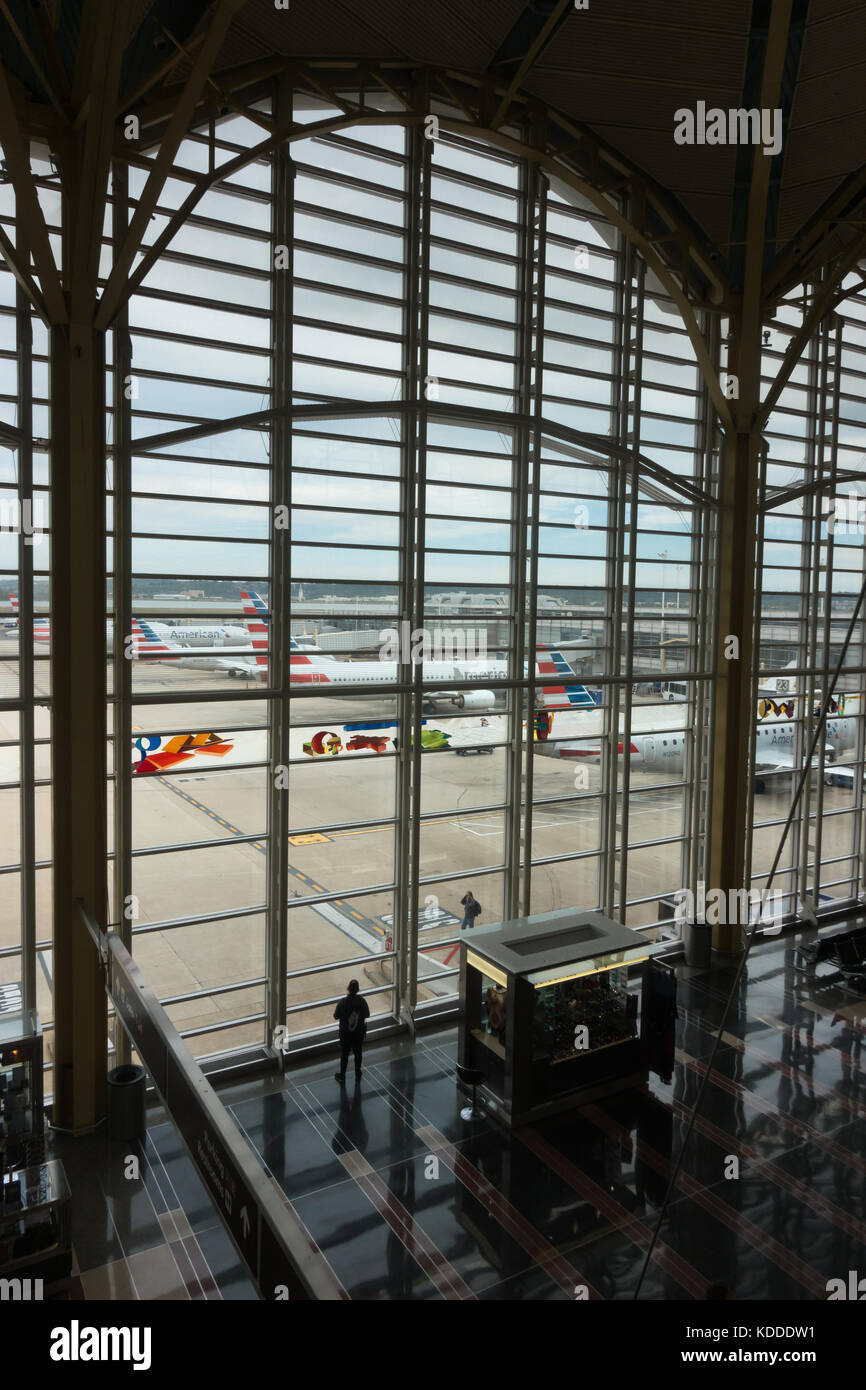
column 315, row 839
column 336, row 916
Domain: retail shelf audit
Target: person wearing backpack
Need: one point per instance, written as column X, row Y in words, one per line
column 352, row 1014
column 471, row 909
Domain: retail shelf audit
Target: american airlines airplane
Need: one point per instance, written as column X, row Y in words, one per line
column 657, row 740
column 211, row 635
column 312, row 668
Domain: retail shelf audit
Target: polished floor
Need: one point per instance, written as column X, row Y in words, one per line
column 406, row 1200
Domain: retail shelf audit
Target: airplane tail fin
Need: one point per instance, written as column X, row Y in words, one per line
column 258, row 636
column 556, row 670
column 145, row 638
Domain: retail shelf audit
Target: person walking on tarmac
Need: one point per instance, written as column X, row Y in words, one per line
column 471, row 909
column 352, row 1014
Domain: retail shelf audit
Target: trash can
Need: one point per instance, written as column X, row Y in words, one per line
column 698, row 942
column 127, row 1103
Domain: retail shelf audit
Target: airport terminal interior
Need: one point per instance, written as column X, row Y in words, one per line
column 432, row 475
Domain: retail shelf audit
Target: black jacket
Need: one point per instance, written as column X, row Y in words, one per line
column 353, row 1004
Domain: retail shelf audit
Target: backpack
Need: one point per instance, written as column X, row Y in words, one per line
column 353, row 1019
column 475, row 908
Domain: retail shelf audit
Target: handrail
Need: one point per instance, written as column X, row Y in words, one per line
column 277, row 1249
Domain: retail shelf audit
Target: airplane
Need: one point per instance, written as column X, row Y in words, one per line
column 40, row 623
column 217, row 635
column 210, row 635
column 319, row 670
column 254, row 605
column 551, row 664
column 657, row 741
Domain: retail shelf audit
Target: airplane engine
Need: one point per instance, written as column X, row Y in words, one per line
column 475, row 699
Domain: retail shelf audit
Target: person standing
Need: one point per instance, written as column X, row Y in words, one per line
column 352, row 1014
column 471, row 908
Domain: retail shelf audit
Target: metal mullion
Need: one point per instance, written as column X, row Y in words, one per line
column 476, row 181
column 146, row 851
column 210, row 539
column 209, row 263
column 315, row 545
column 197, row 458
column 432, row 817
column 225, row 1026
column 463, row 316
column 831, row 333
column 809, row 600
column 704, row 627
column 215, row 992
column 26, row 721
column 425, row 880
column 357, row 331
column 192, row 340
column 752, row 743
column 482, row 219
column 310, row 359
column 138, row 496
column 350, row 221
column 403, row 970
column 200, row 920
column 633, row 375
column 205, row 696
column 352, row 145
column 337, row 253
column 174, row 574
column 500, row 257
column 361, row 296
column 419, row 269
column 333, row 999
column 615, row 566
column 338, row 965
column 340, row 895
column 533, row 308
column 341, row 179
column 509, row 358
column 171, row 297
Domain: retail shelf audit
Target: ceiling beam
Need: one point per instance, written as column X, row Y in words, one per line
column 794, row 266
column 187, row 100
column 86, row 167
column 27, row 208
column 824, row 301
column 44, row 83
column 161, row 72
column 748, row 354
column 540, row 40
column 22, row 274
column 285, row 134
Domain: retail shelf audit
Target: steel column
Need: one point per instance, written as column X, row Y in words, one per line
column 121, row 606
column 280, row 583
column 78, row 678
column 26, row 730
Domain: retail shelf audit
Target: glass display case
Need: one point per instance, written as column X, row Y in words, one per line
column 550, row 1013
column 35, row 1232
column 22, row 1127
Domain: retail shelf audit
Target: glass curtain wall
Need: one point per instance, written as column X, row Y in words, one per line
column 811, row 571
column 411, row 554
column 25, row 618
column 381, row 655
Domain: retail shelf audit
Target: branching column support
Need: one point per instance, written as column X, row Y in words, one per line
column 735, row 712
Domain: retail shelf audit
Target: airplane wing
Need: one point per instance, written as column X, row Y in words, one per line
column 785, row 762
